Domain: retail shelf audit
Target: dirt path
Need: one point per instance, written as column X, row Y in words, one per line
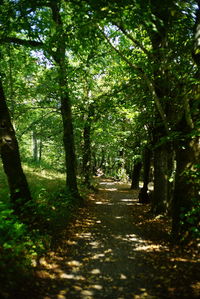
column 110, row 253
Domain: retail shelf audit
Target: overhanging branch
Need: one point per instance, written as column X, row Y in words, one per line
column 143, row 75
column 135, row 41
column 23, row 42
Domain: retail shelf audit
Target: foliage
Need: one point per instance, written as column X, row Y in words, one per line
column 129, row 78
column 190, row 219
column 48, row 214
column 12, row 232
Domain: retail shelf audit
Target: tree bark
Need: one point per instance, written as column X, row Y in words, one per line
column 143, row 195
column 86, row 155
column 68, row 140
column 186, row 189
column 159, row 40
column 163, row 167
column 187, row 154
column 136, row 175
column 146, row 167
column 19, row 190
column 40, row 149
column 66, row 112
column 35, row 146
column 87, row 147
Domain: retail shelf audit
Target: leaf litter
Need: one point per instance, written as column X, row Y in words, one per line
column 115, row 248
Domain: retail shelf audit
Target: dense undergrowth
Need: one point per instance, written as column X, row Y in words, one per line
column 22, row 243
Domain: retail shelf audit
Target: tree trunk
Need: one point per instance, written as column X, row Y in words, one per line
column 162, row 186
column 186, row 189
column 66, row 113
column 136, row 175
column 101, row 164
column 143, row 195
column 146, row 167
column 94, row 163
column 87, row 146
column 68, row 140
column 40, row 150
column 35, row 146
column 19, row 190
column 86, row 155
column 187, row 155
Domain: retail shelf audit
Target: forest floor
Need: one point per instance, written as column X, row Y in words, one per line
column 116, row 249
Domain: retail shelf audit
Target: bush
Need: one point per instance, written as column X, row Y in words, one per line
column 191, row 220
column 44, row 218
column 16, row 242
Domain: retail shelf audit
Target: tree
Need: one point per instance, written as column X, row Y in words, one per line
column 19, row 190
column 187, row 151
column 112, row 66
column 56, row 48
column 163, row 66
column 68, row 135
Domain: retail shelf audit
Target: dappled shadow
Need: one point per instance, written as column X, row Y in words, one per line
column 105, row 255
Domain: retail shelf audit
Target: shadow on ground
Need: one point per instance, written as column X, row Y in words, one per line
column 109, row 252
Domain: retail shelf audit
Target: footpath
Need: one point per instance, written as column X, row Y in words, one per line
column 116, row 250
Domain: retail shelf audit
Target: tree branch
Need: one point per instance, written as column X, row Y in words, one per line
column 118, row 52
column 35, row 122
column 143, row 75
column 136, row 42
column 23, row 42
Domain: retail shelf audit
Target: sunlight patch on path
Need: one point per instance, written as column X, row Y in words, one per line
column 106, row 257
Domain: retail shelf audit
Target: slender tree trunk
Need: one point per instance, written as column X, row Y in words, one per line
column 143, row 195
column 68, row 140
column 87, row 147
column 136, row 175
column 40, row 150
column 35, row 146
column 146, row 167
column 19, row 190
column 66, row 112
column 87, row 154
column 94, row 163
